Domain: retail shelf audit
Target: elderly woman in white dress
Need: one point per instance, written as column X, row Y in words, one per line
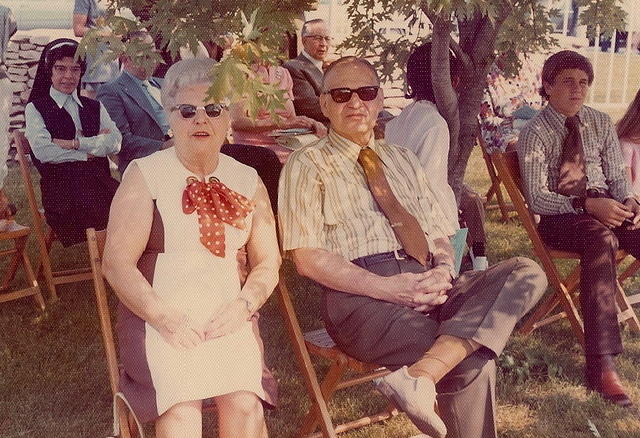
column 187, row 327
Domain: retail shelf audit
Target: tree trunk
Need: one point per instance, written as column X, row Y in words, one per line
column 477, row 41
column 446, row 98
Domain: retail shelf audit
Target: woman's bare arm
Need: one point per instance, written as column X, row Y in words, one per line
column 128, row 231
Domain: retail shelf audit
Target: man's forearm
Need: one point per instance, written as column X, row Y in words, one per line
column 443, row 254
column 335, row 272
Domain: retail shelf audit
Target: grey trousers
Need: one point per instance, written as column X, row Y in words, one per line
column 483, row 306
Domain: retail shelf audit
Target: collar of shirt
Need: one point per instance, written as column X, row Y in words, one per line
column 315, row 61
column 61, row 98
column 347, row 152
column 137, row 80
column 348, row 149
column 559, row 119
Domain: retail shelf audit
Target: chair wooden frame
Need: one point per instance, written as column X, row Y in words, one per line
column 45, row 239
column 565, row 288
column 19, row 234
column 95, row 242
column 495, row 189
column 318, row 343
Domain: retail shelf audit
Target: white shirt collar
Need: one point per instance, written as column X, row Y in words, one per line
column 315, row 61
column 60, row 98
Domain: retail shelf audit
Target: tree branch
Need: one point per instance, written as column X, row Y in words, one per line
column 464, row 59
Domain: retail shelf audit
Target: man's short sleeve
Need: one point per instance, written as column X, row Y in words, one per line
column 300, row 205
column 82, row 7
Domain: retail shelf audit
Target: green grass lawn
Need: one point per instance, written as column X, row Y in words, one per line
column 53, row 380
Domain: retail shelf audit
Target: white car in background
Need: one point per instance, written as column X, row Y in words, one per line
column 41, row 14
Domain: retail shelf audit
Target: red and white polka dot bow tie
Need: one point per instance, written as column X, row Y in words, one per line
column 216, row 205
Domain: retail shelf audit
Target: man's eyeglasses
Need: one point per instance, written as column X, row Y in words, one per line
column 320, row 38
column 62, row 69
column 189, row 111
column 342, row 95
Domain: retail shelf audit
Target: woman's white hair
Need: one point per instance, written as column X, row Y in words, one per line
column 184, row 73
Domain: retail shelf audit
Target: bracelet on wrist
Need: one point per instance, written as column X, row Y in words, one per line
column 250, row 306
column 447, row 266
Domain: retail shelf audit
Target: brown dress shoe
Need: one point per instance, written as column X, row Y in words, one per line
column 601, row 376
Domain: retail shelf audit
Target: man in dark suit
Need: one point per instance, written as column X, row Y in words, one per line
column 133, row 102
column 306, row 70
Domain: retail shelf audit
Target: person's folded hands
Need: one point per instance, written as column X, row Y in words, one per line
column 633, row 206
column 227, row 319
column 180, row 331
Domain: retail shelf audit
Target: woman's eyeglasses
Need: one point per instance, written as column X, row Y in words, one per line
column 342, row 95
column 189, row 111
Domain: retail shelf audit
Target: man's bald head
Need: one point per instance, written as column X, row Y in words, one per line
column 343, row 62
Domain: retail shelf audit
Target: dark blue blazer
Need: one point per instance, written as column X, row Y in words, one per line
column 131, row 111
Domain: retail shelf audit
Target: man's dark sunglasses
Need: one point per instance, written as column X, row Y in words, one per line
column 188, row 111
column 342, row 95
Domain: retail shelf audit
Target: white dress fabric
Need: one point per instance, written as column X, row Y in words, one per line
column 190, row 278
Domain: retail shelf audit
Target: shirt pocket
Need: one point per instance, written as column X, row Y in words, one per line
column 342, row 201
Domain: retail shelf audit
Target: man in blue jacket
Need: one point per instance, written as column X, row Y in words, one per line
column 133, row 102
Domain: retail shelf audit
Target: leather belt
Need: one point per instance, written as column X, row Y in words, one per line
column 372, row 259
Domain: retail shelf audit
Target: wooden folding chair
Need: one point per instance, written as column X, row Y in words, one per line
column 495, row 188
column 565, row 288
column 318, row 342
column 95, row 242
column 268, row 167
column 45, row 238
column 19, row 234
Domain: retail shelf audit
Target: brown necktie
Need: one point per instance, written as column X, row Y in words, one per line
column 405, row 226
column 573, row 179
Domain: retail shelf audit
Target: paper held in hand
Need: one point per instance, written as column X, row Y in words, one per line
column 294, row 138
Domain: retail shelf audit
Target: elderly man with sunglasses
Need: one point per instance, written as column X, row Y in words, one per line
column 358, row 217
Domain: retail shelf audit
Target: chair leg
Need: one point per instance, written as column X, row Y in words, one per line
column 328, row 386
column 304, row 360
column 501, row 203
column 490, row 193
column 626, row 313
column 562, row 296
column 45, row 264
column 31, row 278
column 128, row 427
column 495, row 189
column 19, row 245
column 536, row 319
column 631, row 270
column 10, row 273
column 573, row 315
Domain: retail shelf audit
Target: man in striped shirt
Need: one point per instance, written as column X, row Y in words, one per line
column 575, row 178
column 379, row 304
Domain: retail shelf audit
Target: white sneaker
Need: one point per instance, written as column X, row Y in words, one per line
column 480, row 263
column 416, row 397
